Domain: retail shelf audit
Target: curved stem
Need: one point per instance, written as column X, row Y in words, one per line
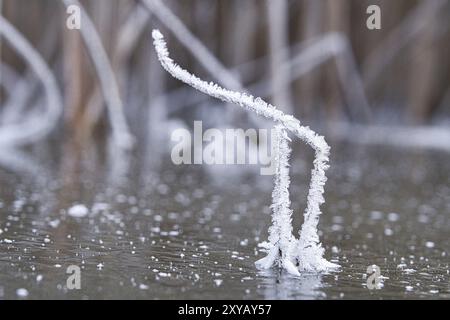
column 35, row 127
column 108, row 83
column 309, row 234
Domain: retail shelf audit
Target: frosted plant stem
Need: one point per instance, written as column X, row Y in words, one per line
column 128, row 36
column 203, row 55
column 14, row 107
column 423, row 137
column 17, row 161
column 315, row 197
column 309, row 249
column 310, row 54
column 33, row 128
column 193, row 44
column 17, row 100
column 108, row 83
column 281, row 239
column 8, row 77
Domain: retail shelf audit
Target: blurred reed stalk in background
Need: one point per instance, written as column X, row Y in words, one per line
column 110, row 82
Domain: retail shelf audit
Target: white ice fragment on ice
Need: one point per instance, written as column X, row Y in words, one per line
column 218, row 282
column 393, row 216
column 409, row 270
column 22, row 292
column 78, row 211
column 244, row 242
column 376, row 215
column 433, row 291
column 54, row 223
column 429, row 244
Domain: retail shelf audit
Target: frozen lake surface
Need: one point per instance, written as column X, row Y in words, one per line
column 191, row 232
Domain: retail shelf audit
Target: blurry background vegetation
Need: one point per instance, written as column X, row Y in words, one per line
column 404, row 67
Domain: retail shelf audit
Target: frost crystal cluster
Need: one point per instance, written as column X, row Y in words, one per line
column 283, row 249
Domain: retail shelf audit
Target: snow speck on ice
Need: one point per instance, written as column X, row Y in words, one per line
column 78, row 211
column 22, row 293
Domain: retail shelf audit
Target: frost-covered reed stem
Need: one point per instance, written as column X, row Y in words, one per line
column 37, row 126
column 281, row 240
column 24, row 87
column 127, row 40
column 8, row 77
column 308, row 235
column 108, row 83
column 193, row 44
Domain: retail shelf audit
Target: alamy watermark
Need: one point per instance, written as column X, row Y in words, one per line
column 73, row 282
column 224, row 147
column 73, row 21
column 374, row 279
column 374, row 20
